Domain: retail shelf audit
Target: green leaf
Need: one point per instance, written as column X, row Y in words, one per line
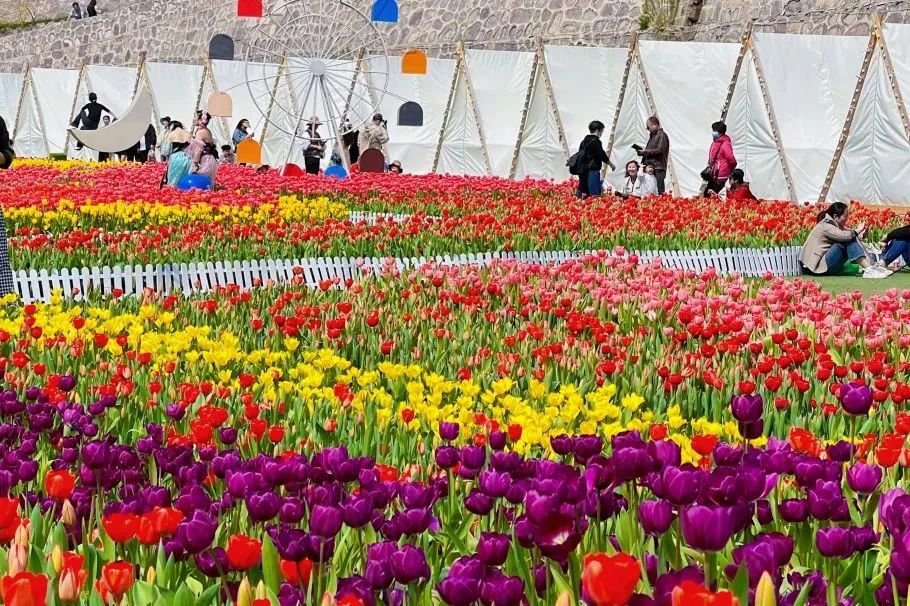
column 194, row 585
column 803, row 596
column 143, row 593
column 271, row 571
column 740, row 585
column 209, row 596
column 184, row 596
column 160, row 568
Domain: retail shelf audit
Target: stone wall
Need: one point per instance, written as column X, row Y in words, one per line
column 170, row 30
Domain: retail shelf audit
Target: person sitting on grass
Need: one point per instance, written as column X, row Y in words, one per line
column 897, row 246
column 830, row 245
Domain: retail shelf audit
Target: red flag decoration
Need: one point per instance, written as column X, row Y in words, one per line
column 249, row 8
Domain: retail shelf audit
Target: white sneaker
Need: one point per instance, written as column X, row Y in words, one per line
column 876, row 272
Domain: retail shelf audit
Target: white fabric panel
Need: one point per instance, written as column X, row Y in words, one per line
column 897, row 38
column 282, row 121
column 749, row 126
column 540, row 155
column 250, row 102
column 175, row 87
column 55, row 90
column 810, row 80
column 113, row 85
column 630, row 129
column 586, row 83
column 875, row 165
column 414, row 146
column 703, row 70
column 28, row 140
column 500, row 81
column 10, row 90
column 461, row 152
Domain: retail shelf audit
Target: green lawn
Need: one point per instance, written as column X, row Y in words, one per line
column 842, row 284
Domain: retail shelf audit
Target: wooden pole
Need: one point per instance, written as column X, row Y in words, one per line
column 22, row 89
column 205, row 68
column 889, row 71
column 744, row 46
column 79, row 81
column 472, row 102
column 851, row 113
column 529, row 96
column 224, row 124
column 551, row 98
column 633, row 43
column 447, row 114
column 769, row 108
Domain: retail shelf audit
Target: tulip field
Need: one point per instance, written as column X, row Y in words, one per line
column 599, row 432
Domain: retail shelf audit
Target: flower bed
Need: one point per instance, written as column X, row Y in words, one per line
column 75, row 215
column 461, row 435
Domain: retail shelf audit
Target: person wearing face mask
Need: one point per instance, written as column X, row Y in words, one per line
column 721, row 160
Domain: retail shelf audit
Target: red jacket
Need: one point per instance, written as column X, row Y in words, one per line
column 741, row 193
column 721, row 157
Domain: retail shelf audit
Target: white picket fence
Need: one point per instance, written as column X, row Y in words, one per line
column 37, row 285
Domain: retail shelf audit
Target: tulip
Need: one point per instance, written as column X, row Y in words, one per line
column 297, row 573
column 118, row 577
column 59, row 484
column 609, row 580
column 706, row 529
column 409, row 564
column 24, row 588
column 747, row 409
column 72, row 578
column 864, row 479
column 655, row 517
column 493, row 548
column 326, row 521
column 834, row 542
column 856, row 400
column 448, row 431
column 245, row 593
column 243, row 552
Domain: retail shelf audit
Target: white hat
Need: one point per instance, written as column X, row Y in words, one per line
column 315, row 121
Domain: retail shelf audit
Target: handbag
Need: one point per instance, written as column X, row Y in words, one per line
column 708, row 173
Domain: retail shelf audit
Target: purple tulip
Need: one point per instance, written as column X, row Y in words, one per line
column 175, row 412
column 825, row 498
column 795, row 511
column 447, row 457
column 197, row 533
column 473, row 457
column 834, row 542
column 227, row 435
column 462, row 584
column 66, row 383
column 493, row 548
column 864, row 479
column 262, row 506
column 752, row 431
column 213, row 563
column 666, row 452
column 666, row 583
column 501, row 590
column 747, row 409
column 498, row 440
column 864, row 538
column 478, row 503
column 96, row 455
column 493, row 483
column 448, row 431
column 681, row 485
column 655, row 517
column 586, row 446
column 561, row 444
column 409, row 564
column 706, row 529
column 855, row 399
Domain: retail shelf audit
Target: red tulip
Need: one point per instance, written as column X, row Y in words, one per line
column 610, row 580
column 243, row 552
column 297, row 573
column 24, row 589
column 116, row 578
column 59, row 484
column 690, row 593
column 120, row 527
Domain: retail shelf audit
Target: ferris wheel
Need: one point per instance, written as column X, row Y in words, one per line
column 333, row 68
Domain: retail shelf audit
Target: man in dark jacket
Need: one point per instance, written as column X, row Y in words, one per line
column 90, row 115
column 656, row 152
column 7, row 155
column 590, row 182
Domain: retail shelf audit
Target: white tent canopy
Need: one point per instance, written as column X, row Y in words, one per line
column 787, row 108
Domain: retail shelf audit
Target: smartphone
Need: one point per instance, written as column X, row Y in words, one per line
column 636, row 147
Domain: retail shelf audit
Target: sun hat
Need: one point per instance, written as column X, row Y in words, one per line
column 315, row 121
column 180, row 135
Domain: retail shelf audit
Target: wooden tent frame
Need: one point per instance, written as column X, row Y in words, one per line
column 28, row 84
column 540, row 75
column 876, row 44
column 83, row 77
column 25, row 78
column 748, row 47
column 462, row 71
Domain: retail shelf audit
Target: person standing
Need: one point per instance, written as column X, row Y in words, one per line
column 147, row 144
column 203, row 153
column 76, row 13
column 7, row 155
column 721, row 160
column 241, row 132
column 164, row 141
column 313, row 146
column 656, row 152
column 594, row 157
column 91, row 9
column 89, row 116
column 374, row 135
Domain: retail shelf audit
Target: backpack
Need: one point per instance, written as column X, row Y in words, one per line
column 577, row 163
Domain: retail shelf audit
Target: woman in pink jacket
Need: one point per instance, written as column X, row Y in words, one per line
column 721, row 160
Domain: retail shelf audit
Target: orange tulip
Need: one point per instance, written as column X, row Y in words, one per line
column 24, row 589
column 118, row 577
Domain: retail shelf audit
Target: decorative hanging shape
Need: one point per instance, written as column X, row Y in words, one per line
column 220, row 105
column 410, row 114
column 249, row 152
column 372, row 161
column 221, row 47
column 414, row 62
column 384, row 11
column 249, row 8
column 291, row 170
column 337, row 172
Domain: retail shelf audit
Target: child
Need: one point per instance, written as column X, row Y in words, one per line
column 178, row 164
column 227, row 155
